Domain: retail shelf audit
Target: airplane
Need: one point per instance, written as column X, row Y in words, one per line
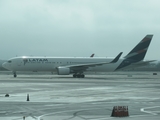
column 78, row 65
column 60, row 64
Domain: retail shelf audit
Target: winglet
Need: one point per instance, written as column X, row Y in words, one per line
column 116, row 58
column 92, row 55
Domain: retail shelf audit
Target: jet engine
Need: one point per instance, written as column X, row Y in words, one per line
column 63, row 71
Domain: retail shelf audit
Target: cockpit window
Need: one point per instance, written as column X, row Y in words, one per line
column 9, row 61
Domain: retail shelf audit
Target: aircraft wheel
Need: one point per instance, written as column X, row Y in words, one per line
column 82, row 76
column 74, row 75
column 78, row 75
column 15, row 75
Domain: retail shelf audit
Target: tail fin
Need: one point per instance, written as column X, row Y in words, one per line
column 139, row 51
column 92, row 55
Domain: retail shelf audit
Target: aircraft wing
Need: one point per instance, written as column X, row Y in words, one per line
column 82, row 67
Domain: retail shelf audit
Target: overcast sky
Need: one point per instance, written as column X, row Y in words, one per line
column 77, row 27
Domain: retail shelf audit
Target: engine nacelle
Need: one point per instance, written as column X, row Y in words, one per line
column 63, row 71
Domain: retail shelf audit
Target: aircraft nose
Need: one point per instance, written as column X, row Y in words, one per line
column 6, row 65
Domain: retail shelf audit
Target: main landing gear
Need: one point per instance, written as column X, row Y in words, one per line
column 78, row 75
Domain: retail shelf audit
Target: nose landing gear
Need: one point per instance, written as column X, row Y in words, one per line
column 14, row 74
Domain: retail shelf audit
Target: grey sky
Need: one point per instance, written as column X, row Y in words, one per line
column 77, row 27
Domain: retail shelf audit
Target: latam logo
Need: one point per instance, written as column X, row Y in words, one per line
column 34, row 60
column 37, row 60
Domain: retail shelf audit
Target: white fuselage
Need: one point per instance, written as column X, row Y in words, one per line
column 51, row 63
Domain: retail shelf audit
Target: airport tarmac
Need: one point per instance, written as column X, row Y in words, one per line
column 53, row 97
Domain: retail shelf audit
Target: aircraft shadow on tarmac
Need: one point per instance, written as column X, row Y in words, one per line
column 90, row 77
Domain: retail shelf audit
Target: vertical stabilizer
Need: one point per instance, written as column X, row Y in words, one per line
column 139, row 51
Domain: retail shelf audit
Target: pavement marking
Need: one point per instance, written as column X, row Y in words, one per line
column 150, row 112
column 39, row 118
